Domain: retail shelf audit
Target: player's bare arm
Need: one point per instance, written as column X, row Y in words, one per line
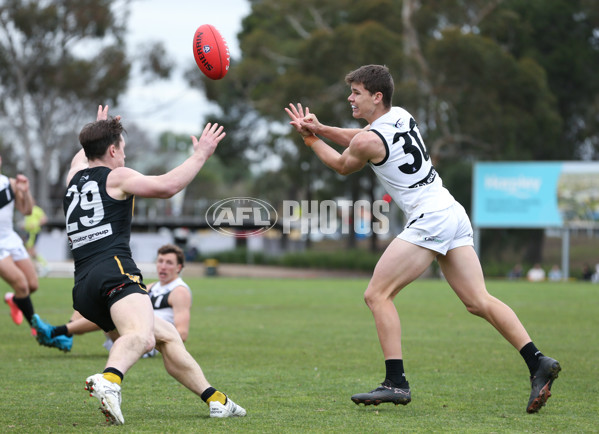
column 364, row 147
column 306, row 122
column 123, row 181
column 180, row 300
column 79, row 162
column 23, row 198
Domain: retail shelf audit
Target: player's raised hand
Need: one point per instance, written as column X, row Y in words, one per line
column 298, row 116
column 310, row 122
column 22, row 183
column 103, row 114
column 211, row 136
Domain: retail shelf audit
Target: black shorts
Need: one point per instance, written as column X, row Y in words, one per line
column 106, row 283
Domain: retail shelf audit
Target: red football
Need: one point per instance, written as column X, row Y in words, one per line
column 211, row 52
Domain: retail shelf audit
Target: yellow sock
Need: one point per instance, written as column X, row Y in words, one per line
column 112, row 377
column 217, row 396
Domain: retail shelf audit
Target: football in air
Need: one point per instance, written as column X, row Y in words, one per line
column 211, row 52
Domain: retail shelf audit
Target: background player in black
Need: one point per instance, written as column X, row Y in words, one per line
column 108, row 285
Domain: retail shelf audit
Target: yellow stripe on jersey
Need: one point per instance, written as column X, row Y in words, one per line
column 135, row 279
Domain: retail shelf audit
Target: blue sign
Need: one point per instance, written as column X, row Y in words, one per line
column 516, row 194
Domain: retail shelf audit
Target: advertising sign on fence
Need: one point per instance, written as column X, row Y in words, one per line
column 535, row 194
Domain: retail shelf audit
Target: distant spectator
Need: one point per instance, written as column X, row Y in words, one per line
column 536, row 274
column 555, row 274
column 515, row 273
column 587, row 272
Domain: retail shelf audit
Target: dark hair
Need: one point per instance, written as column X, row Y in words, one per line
column 97, row 136
column 374, row 78
column 171, row 248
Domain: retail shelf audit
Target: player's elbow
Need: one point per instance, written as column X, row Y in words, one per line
column 183, row 330
column 25, row 209
column 183, row 334
column 344, row 170
column 346, row 166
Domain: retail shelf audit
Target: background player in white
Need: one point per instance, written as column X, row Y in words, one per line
column 171, row 299
column 171, row 296
column 437, row 228
column 16, row 267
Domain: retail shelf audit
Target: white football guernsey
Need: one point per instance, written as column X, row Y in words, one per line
column 7, row 206
column 158, row 292
column 407, row 172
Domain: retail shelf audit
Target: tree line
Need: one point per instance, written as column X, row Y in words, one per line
column 492, row 80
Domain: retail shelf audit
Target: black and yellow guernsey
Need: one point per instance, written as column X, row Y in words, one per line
column 98, row 226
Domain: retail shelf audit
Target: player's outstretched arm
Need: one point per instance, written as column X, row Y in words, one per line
column 79, row 162
column 23, row 198
column 304, row 121
column 131, row 182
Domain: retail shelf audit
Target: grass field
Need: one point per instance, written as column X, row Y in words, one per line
column 293, row 352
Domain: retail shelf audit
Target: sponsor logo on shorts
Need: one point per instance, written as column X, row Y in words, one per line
column 89, row 236
column 433, row 240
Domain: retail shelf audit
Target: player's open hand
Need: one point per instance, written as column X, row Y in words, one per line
column 211, row 136
column 103, row 114
column 302, row 120
column 22, row 183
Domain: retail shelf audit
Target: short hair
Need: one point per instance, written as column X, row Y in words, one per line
column 172, row 248
column 374, row 78
column 97, row 136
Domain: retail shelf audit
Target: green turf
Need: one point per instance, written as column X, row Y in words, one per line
column 293, row 352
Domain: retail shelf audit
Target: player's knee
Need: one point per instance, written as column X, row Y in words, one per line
column 477, row 307
column 372, row 297
column 473, row 309
column 165, row 333
column 21, row 288
column 149, row 342
column 368, row 298
column 146, row 339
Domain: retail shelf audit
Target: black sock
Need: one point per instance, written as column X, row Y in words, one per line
column 207, row 393
column 114, row 371
column 26, row 307
column 531, row 355
column 395, row 373
column 60, row 330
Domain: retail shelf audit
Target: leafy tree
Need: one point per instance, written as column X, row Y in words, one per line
column 562, row 37
column 291, row 53
column 59, row 59
column 449, row 78
column 47, row 78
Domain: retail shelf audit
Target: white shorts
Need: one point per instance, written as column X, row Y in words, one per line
column 11, row 244
column 440, row 231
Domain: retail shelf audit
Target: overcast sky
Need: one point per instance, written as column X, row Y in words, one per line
column 172, row 105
